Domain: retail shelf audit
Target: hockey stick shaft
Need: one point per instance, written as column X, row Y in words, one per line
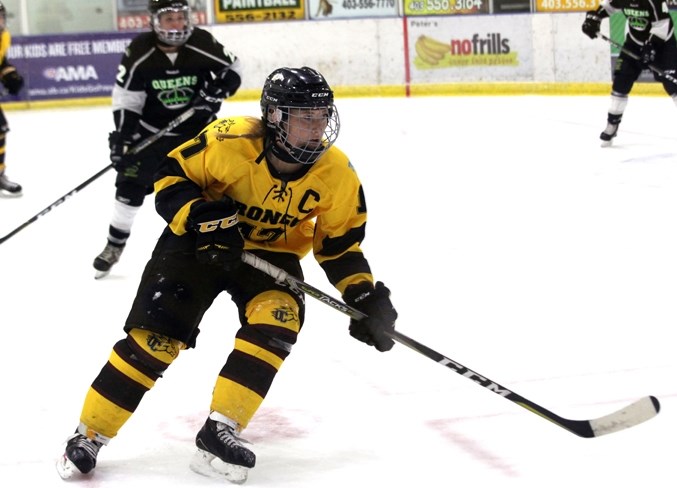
column 134, row 150
column 54, row 204
column 633, row 414
column 172, row 125
column 653, row 68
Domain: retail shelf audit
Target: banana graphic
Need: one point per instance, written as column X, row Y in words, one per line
column 434, row 45
column 425, row 53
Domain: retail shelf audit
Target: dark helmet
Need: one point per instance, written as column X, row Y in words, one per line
column 167, row 36
column 305, row 90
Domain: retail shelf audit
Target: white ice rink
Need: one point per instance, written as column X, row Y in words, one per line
column 511, row 241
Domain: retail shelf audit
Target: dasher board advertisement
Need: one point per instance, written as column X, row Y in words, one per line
column 470, row 48
column 227, row 11
column 344, row 9
column 445, row 7
column 67, row 66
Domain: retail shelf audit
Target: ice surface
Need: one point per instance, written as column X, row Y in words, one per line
column 511, row 241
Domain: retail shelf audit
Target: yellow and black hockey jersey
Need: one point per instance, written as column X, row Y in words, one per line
column 5, row 43
column 322, row 209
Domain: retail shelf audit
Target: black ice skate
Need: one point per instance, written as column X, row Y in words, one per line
column 79, row 456
column 108, row 257
column 220, row 453
column 12, row 188
column 608, row 134
column 613, row 121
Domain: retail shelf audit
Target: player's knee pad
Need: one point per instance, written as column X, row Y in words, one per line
column 130, row 193
column 148, row 352
column 623, row 82
column 273, row 319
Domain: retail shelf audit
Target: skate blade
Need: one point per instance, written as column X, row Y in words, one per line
column 207, row 464
column 101, row 274
column 10, row 194
column 66, row 468
column 607, row 143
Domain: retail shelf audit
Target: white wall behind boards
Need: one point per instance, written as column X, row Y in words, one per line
column 381, row 55
column 348, row 52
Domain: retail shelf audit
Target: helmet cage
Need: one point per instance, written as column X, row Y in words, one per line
column 172, row 37
column 302, row 134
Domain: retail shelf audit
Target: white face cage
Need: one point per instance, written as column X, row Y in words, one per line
column 305, row 134
column 173, row 37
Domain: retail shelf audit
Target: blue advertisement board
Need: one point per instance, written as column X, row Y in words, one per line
column 67, row 66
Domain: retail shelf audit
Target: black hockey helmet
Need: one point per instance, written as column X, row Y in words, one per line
column 172, row 37
column 304, row 94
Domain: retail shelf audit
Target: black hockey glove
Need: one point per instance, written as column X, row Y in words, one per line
column 118, row 144
column 591, row 25
column 648, row 54
column 212, row 93
column 12, row 80
column 381, row 315
column 219, row 241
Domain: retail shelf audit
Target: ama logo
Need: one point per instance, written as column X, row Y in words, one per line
column 71, row 73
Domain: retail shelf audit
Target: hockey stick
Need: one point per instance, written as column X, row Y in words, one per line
column 651, row 67
column 172, row 125
column 134, row 150
column 629, row 416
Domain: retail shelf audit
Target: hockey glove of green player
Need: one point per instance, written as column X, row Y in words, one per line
column 591, row 25
column 373, row 301
column 218, row 240
column 212, row 93
column 648, row 54
column 119, row 143
column 12, row 80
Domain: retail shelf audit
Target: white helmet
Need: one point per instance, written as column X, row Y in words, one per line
column 171, row 37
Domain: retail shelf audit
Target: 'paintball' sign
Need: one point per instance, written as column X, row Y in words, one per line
column 227, row 11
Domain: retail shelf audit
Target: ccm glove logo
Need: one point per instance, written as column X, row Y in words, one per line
column 213, row 225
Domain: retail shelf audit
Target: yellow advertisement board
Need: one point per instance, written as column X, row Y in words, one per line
column 445, row 7
column 227, row 11
column 566, row 5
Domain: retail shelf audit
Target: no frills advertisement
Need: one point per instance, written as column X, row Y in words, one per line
column 448, row 49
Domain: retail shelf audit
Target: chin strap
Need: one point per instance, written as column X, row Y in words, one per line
column 267, row 144
column 270, row 146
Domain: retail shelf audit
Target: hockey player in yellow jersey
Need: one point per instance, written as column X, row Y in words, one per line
column 274, row 186
column 13, row 82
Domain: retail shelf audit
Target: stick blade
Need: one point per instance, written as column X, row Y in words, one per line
column 640, row 411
